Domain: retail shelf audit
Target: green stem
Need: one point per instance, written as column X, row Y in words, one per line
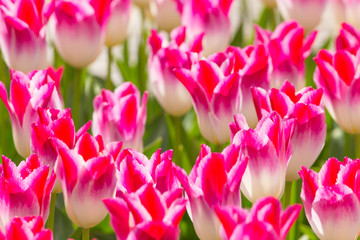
column 109, row 84
column 51, row 218
column 176, row 121
column 142, row 58
column 294, row 198
column 357, row 145
column 78, row 92
column 85, row 233
column 287, row 194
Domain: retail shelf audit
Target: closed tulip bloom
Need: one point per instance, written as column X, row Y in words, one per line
column 27, row 94
column 306, row 108
column 265, row 220
column 269, row 150
column 331, row 199
column 24, row 189
column 79, row 29
column 295, row 9
column 288, row 48
column 216, row 98
column 87, row 175
column 26, row 228
column 214, row 180
column 22, row 34
column 117, row 26
column 120, row 116
column 337, row 74
column 147, row 214
column 210, row 18
column 165, row 56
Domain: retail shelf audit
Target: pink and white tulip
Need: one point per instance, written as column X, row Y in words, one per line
column 26, row 228
column 269, row 150
column 166, row 56
column 265, row 220
column 117, row 26
column 216, row 98
column 306, row 108
column 331, row 199
column 54, row 123
column 27, row 94
column 295, row 9
column 214, row 180
column 208, row 17
column 79, row 29
column 348, row 38
column 136, row 170
column 146, row 214
column 346, row 11
column 22, row 34
column 24, row 189
column 121, row 116
column 87, row 175
column 288, row 50
column 166, row 14
column 337, row 73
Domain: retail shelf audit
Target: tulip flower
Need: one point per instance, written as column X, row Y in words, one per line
column 87, row 175
column 216, row 98
column 288, row 50
column 135, row 170
column 27, row 94
column 120, row 116
column 331, row 199
column 22, row 34
column 348, row 38
column 24, row 189
column 53, row 123
column 166, row 14
column 80, row 29
column 164, row 58
column 306, row 108
column 295, row 9
column 208, row 17
column 265, row 220
column 147, row 214
column 26, row 228
column 214, row 180
column 346, row 11
column 337, row 74
column 117, row 26
column 251, row 63
column 269, row 150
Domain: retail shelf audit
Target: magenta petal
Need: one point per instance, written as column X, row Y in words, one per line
column 288, row 218
column 119, row 216
column 87, row 146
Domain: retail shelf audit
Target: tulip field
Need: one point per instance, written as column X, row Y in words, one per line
column 179, row 119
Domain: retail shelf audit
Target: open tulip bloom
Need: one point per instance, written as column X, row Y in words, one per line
column 87, row 175
column 214, row 180
column 216, row 98
column 288, row 50
column 265, row 220
column 26, row 228
column 331, row 199
column 22, row 34
column 348, row 38
column 25, row 189
column 306, row 108
column 268, row 148
column 147, row 214
column 27, row 94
